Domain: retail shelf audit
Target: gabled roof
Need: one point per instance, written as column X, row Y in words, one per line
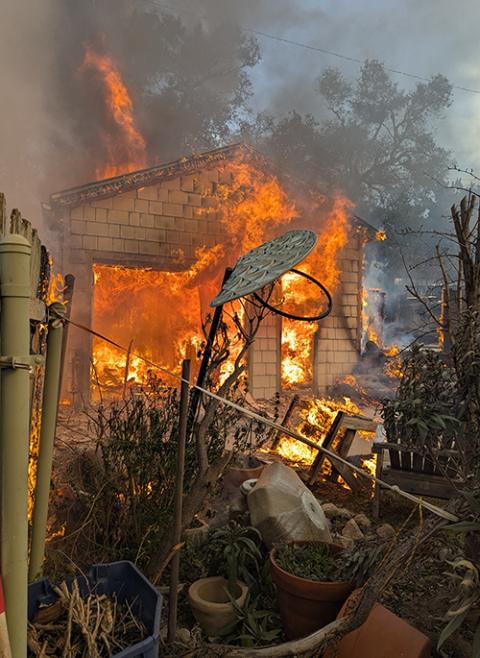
column 135, row 179
column 108, row 187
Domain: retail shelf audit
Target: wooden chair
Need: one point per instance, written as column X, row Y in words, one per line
column 416, row 472
column 351, row 425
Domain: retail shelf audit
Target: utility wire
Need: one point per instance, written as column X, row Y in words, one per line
column 298, row 44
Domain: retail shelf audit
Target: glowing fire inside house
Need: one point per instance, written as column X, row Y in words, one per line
column 159, row 314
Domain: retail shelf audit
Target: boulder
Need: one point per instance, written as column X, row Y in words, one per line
column 352, row 530
column 283, row 509
column 333, row 512
column 362, row 521
column 386, row 531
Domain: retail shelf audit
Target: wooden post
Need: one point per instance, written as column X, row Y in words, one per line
column 286, row 418
column 177, row 528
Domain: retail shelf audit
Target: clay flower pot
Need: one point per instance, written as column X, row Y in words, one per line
column 382, row 635
column 307, row 605
column 234, row 477
column 211, row 605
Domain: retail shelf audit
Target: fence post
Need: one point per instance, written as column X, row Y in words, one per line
column 15, row 254
column 51, row 392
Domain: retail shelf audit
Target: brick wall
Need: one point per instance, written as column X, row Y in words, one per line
column 161, row 226
column 337, row 341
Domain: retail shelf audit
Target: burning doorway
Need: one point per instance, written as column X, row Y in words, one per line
column 152, row 312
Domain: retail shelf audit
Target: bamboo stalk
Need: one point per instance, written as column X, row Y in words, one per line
column 177, row 531
column 51, row 392
column 15, row 254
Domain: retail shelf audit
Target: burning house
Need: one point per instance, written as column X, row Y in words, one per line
column 148, row 250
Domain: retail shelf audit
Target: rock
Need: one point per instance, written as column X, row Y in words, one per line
column 184, row 636
column 346, row 542
column 352, row 530
column 445, row 554
column 386, row 531
column 362, row 520
column 333, row 512
column 283, row 509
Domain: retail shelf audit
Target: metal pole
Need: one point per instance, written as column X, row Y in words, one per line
column 51, row 393
column 15, row 253
column 195, row 397
column 177, row 528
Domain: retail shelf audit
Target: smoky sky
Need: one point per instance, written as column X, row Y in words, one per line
column 51, row 119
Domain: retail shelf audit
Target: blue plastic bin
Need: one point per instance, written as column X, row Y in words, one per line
column 125, row 581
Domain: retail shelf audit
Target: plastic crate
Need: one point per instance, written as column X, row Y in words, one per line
column 125, row 581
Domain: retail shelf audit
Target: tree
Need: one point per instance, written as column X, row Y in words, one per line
column 187, row 78
column 376, row 145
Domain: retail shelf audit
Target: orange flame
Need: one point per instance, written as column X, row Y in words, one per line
column 125, row 146
column 252, row 207
column 380, row 236
column 301, row 298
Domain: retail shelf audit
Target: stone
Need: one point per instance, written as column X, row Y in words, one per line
column 183, row 636
column 345, row 542
column 331, row 511
column 352, row 530
column 283, row 509
column 386, row 531
column 362, row 520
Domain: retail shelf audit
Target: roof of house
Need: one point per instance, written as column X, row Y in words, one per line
column 108, row 187
column 130, row 181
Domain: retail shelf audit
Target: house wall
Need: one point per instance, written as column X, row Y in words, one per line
column 161, row 226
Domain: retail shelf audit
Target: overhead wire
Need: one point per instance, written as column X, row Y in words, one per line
column 306, row 46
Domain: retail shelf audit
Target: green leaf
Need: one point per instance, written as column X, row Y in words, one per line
column 453, row 625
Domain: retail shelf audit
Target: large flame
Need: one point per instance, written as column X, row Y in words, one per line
column 124, row 145
column 162, row 312
column 302, row 298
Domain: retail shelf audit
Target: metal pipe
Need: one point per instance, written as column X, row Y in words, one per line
column 202, row 372
column 177, row 527
column 15, row 254
column 51, row 393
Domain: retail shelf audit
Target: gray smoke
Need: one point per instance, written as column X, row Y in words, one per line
column 52, row 118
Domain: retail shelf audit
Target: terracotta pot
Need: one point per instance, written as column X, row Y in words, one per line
column 234, row 477
column 382, row 635
column 211, row 605
column 196, row 535
column 307, row 605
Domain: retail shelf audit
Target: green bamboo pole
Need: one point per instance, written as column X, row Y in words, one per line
column 51, row 392
column 15, row 252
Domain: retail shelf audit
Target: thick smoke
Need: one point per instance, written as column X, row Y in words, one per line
column 196, row 64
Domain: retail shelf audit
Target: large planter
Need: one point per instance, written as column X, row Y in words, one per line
column 307, row 605
column 382, row 635
column 211, row 605
column 125, row 581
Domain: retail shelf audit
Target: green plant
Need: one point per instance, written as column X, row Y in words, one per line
column 466, row 604
column 312, row 561
column 426, row 403
column 253, row 627
column 236, row 554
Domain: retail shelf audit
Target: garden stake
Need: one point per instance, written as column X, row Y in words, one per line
column 286, row 418
column 177, row 519
column 51, row 392
column 15, row 255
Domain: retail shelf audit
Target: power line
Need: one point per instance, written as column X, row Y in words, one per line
column 306, row 46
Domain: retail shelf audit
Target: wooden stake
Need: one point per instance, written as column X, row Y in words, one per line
column 177, row 528
column 286, row 418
